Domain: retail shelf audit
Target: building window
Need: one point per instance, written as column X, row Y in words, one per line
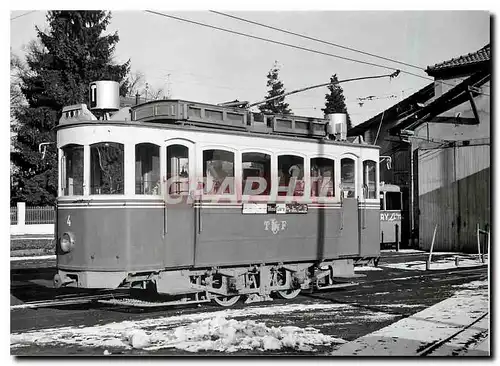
column 72, row 170
column 290, row 175
column 106, row 168
column 393, row 201
column 347, row 177
column 369, row 182
column 178, row 169
column 218, row 172
column 147, row 169
column 322, row 177
column 256, row 168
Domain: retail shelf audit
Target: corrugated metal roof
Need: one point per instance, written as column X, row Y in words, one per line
column 482, row 55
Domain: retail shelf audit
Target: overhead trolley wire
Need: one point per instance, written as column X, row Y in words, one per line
column 21, row 15
column 316, row 39
column 268, row 40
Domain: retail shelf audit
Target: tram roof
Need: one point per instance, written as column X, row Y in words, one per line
column 183, row 114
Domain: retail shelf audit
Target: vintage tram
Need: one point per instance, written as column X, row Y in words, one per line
column 208, row 202
column 391, row 205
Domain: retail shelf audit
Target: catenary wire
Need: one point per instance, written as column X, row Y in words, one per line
column 319, row 40
column 291, row 45
column 316, row 39
column 21, row 15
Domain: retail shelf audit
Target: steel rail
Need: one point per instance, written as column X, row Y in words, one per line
column 426, row 351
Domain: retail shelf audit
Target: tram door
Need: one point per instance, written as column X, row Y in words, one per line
column 179, row 211
column 349, row 238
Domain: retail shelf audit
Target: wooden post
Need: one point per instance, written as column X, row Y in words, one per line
column 428, row 264
column 397, row 237
column 478, row 243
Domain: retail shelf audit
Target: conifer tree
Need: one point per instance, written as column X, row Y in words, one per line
column 276, row 88
column 335, row 100
column 71, row 54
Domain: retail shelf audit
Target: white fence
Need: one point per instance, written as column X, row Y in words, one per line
column 31, row 220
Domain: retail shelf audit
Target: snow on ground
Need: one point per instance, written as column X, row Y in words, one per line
column 367, row 268
column 439, row 263
column 37, row 257
column 402, row 251
column 192, row 332
column 410, row 335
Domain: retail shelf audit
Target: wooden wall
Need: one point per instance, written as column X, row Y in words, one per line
column 454, row 193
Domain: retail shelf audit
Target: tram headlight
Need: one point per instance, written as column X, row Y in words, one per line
column 67, row 242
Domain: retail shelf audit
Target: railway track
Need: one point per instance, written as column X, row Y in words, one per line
column 66, row 300
column 121, row 298
column 429, row 350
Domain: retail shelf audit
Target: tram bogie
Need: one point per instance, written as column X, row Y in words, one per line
column 175, row 202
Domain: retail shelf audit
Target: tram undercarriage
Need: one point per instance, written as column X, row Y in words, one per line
column 226, row 286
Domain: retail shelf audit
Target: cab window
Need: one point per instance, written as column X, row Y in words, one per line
column 106, row 168
column 347, row 177
column 72, row 170
column 369, row 183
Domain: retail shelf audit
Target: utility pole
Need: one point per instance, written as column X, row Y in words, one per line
column 168, row 92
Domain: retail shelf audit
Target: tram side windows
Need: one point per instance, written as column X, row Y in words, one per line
column 393, row 201
column 106, row 168
column 256, row 168
column 369, row 183
column 218, row 172
column 322, row 177
column 147, row 169
column 72, row 170
column 347, row 177
column 178, row 170
column 290, row 175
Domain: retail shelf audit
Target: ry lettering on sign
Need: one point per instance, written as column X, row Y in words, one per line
column 275, row 226
column 393, row 216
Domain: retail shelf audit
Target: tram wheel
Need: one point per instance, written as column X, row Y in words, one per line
column 226, row 301
column 284, row 277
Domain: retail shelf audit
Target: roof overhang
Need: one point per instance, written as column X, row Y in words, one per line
column 452, row 98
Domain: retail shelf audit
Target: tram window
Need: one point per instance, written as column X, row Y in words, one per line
column 290, row 175
column 322, row 177
column 218, row 172
column 347, row 176
column 382, row 201
column 178, row 169
column 72, row 170
column 106, row 168
column 147, row 169
column 256, row 169
column 393, row 200
column 369, row 182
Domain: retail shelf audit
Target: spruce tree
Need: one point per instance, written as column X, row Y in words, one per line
column 71, row 54
column 335, row 100
column 276, row 88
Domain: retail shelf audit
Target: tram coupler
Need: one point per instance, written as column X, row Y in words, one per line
column 59, row 282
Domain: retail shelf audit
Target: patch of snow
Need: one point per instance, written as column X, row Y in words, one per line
column 401, row 306
column 40, row 257
column 191, row 332
column 402, row 251
column 444, row 263
column 437, row 322
column 367, row 268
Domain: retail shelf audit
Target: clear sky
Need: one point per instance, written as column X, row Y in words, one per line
column 211, row 66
